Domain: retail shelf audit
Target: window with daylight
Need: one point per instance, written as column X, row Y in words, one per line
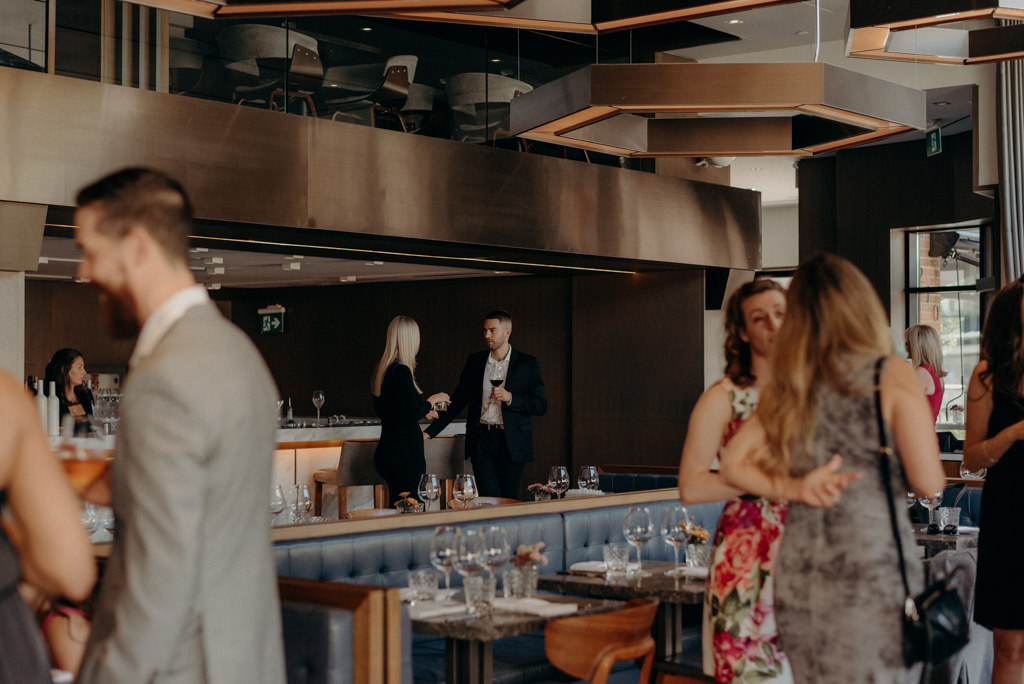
column 943, row 271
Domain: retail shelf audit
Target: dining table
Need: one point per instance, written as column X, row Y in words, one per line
column 680, row 598
column 965, row 538
column 469, row 639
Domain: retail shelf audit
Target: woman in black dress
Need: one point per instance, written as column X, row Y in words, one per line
column 396, row 397
column 995, row 430
column 67, row 370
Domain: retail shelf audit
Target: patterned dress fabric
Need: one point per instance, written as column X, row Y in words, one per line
column 740, row 636
column 838, row 593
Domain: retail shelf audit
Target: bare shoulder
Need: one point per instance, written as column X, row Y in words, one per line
column 899, row 372
column 715, row 400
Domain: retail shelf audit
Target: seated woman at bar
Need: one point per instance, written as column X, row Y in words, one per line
column 67, row 370
column 925, row 350
column 740, row 638
column 839, row 595
column 397, row 399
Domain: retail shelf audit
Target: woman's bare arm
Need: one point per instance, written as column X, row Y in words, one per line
column 711, row 415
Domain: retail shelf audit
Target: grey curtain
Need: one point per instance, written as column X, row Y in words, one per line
column 1010, row 106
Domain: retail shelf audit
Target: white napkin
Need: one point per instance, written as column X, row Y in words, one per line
column 968, row 529
column 430, row 609
column 405, row 593
column 534, row 606
column 598, row 567
column 687, row 571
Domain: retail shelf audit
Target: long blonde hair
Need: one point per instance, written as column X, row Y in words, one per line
column 402, row 344
column 835, row 326
column 924, row 346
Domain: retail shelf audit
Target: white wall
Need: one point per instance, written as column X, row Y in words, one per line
column 12, row 332
column 780, row 236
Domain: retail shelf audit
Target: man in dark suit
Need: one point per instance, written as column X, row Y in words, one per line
column 502, row 388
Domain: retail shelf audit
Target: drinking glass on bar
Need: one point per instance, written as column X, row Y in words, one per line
column 638, row 530
column 428, row 490
column 558, row 479
column 318, row 401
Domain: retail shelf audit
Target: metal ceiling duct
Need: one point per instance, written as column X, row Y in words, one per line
column 716, row 109
column 592, row 16
column 237, row 9
column 919, row 31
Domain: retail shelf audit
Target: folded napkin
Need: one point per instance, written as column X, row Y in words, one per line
column 534, row 606
column 968, row 529
column 406, row 594
column 687, row 571
column 431, row 609
column 597, row 567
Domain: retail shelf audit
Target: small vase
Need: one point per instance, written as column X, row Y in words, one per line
column 541, row 496
column 698, row 555
column 520, row 581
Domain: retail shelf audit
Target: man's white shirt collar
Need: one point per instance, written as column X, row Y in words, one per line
column 492, row 360
column 165, row 316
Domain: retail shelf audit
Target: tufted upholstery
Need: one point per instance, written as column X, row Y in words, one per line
column 615, row 483
column 318, row 643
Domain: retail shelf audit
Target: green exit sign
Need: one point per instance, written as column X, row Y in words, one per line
column 933, row 141
column 272, row 320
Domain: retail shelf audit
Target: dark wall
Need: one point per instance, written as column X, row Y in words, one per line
column 849, row 203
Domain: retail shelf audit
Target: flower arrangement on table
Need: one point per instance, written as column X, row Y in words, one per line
column 541, row 491
column 695, row 534
column 407, row 504
column 529, row 554
column 521, row 579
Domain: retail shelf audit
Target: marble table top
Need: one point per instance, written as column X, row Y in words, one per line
column 666, row 589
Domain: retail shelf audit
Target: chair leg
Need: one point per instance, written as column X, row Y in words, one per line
column 342, row 503
column 318, row 498
column 381, row 496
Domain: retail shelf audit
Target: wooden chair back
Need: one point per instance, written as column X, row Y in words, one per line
column 587, row 646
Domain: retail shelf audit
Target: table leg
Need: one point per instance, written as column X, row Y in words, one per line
column 469, row 662
column 668, row 630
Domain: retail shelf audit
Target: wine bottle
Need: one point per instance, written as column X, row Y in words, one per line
column 41, row 402
column 52, row 411
column 291, row 416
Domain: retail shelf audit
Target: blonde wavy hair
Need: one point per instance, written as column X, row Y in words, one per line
column 402, row 344
column 835, row 326
column 924, row 346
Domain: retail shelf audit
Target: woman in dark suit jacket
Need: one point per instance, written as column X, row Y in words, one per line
column 396, row 398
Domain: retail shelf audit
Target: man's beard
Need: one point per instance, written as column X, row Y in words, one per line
column 121, row 322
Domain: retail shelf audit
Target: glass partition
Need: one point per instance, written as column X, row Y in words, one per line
column 23, row 34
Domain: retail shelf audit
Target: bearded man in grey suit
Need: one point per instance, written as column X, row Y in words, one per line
column 189, row 594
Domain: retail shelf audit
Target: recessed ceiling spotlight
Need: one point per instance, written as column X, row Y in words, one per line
column 366, row 28
column 495, row 60
column 801, row 32
column 213, row 286
column 734, row 21
column 347, row 279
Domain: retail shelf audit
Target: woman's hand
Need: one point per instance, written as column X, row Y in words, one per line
column 431, row 415
column 823, row 486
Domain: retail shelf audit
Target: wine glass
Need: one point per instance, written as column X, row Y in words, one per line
column 558, row 479
column 497, row 550
column 429, row 489
column 443, row 550
column 978, row 474
column 465, row 489
column 469, row 553
column 497, row 376
column 276, row 501
column 673, row 530
column 302, row 505
column 587, row 478
column 638, row 530
column 318, row 401
column 931, row 503
column 911, row 499
column 89, row 518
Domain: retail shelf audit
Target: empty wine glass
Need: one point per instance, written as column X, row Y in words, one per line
column 497, row 550
column 443, row 550
column 587, row 478
column 302, row 505
column 429, row 489
column 978, row 474
column 931, row 503
column 465, row 489
column 318, row 401
column 276, row 501
column 673, row 530
column 469, row 553
column 89, row 518
column 638, row 530
column 911, row 499
column 558, row 479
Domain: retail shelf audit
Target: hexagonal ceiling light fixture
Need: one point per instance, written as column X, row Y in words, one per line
column 591, row 16
column 704, row 110
column 921, row 31
column 238, row 9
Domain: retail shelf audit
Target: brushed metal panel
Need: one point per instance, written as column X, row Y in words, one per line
column 21, row 234
column 853, row 91
column 251, row 166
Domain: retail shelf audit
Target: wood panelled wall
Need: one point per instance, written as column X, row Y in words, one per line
column 850, row 202
column 622, row 356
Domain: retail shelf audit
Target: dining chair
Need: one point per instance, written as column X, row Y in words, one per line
column 587, row 646
column 379, row 88
column 355, row 469
column 480, row 104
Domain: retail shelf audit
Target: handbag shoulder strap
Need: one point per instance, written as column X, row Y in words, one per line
column 884, row 454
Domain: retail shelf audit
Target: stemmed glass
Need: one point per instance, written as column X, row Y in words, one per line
column 587, row 478
column 303, row 504
column 276, row 501
column 673, row 529
column 90, row 520
column 469, row 553
column 465, row 489
column 911, row 499
column 497, row 376
column 931, row 503
column 558, row 479
column 638, row 530
column 443, row 551
column 978, row 474
column 318, row 401
column 497, row 550
column 429, row 489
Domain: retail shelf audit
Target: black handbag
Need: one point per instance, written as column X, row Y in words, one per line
column 935, row 624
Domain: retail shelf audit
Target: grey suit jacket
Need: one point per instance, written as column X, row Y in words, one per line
column 189, row 593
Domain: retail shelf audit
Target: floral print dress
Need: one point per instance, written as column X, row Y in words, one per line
column 740, row 637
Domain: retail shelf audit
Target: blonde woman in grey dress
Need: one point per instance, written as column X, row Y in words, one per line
column 838, row 593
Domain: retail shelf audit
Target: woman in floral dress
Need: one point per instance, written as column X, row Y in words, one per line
column 740, row 641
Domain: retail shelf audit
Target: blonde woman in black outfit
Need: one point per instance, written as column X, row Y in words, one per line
column 397, row 400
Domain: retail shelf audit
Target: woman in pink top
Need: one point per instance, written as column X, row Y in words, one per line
column 925, row 351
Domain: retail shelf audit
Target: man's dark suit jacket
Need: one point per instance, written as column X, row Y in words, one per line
column 523, row 380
